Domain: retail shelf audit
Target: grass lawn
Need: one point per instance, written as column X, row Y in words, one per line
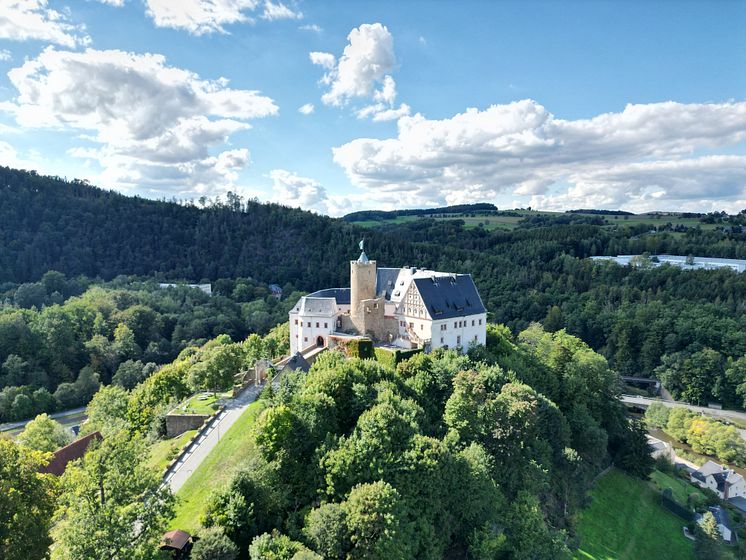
column 162, row 452
column 625, row 522
column 216, row 470
column 680, row 488
column 201, row 403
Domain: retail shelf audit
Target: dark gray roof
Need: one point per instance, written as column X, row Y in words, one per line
column 386, row 281
column 699, row 476
column 297, row 362
column 342, row 295
column 720, row 515
column 449, row 296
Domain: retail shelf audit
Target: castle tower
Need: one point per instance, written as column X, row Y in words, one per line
column 366, row 311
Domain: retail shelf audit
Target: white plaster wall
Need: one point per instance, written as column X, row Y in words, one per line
column 302, row 336
column 471, row 332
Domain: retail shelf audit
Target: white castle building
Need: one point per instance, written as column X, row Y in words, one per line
column 401, row 307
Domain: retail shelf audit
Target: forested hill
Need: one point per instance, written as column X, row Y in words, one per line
column 47, row 223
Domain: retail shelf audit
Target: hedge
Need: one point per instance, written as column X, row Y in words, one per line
column 390, row 358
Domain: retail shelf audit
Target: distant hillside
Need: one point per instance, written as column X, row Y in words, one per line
column 366, row 215
column 47, row 223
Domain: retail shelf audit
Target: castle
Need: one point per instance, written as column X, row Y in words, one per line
column 396, row 307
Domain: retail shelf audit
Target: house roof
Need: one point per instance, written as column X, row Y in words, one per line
column 710, row 467
column 176, row 539
column 447, row 296
column 340, row 295
column 69, row 453
column 386, row 281
column 720, row 515
column 297, row 361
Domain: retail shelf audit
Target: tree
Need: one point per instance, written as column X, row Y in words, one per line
column 113, row 505
column 554, row 320
column 634, row 455
column 707, row 535
column 374, row 520
column 107, row 411
column 657, row 415
column 27, row 502
column 124, row 342
column 132, row 372
column 276, row 546
column 44, row 434
column 214, row 545
column 326, row 529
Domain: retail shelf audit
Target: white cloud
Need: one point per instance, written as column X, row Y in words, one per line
column 323, row 59
column 521, row 148
column 115, row 3
column 211, row 16
column 293, row 190
column 367, row 61
column 23, row 20
column 152, row 125
column 5, row 55
column 363, row 71
column 278, row 10
column 311, row 27
column 306, row 109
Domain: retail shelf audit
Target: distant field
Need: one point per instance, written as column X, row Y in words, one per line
column 216, row 470
column 510, row 222
column 625, row 522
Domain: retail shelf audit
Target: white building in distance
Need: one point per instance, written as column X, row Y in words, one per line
column 400, row 307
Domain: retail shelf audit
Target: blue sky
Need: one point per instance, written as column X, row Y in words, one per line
column 635, row 105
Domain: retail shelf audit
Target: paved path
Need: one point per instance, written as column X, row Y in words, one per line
column 22, row 423
column 726, row 414
column 177, row 475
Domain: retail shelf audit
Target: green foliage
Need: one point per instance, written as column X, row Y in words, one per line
column 443, row 455
column 276, row 546
column 634, row 455
column 27, row 502
column 213, row 545
column 112, row 506
column 391, row 358
column 374, row 516
column 118, row 332
column 706, row 545
column 44, row 434
column 326, row 529
column 656, row 415
column 107, row 411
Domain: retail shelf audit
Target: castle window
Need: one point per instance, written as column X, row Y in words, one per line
column 458, row 340
column 317, row 325
column 480, row 321
column 455, row 325
column 305, row 339
column 472, row 322
column 326, row 325
column 309, row 323
column 296, row 321
column 441, row 340
column 422, row 327
column 411, row 325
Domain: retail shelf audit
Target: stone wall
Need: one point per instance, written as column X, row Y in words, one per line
column 177, row 424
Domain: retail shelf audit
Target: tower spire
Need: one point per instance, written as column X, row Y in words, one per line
column 363, row 258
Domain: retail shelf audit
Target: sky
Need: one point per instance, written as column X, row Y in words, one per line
column 342, row 106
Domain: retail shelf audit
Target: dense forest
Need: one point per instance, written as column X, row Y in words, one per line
column 61, row 338
column 686, row 327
